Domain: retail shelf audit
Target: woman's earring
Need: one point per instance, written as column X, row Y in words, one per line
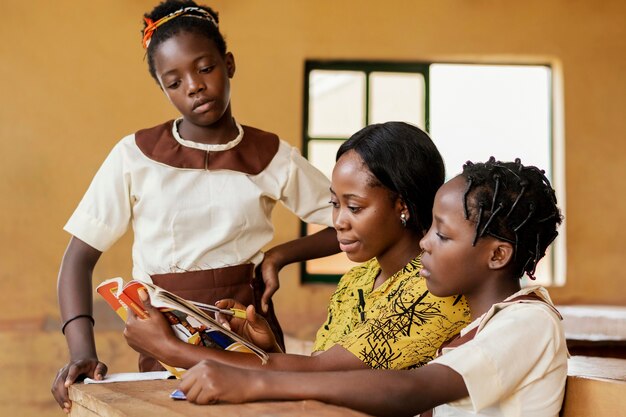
column 403, row 219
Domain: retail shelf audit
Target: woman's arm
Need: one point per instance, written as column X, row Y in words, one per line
column 317, row 245
column 74, row 290
column 385, row 393
column 154, row 336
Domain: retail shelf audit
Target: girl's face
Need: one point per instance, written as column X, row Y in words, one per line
column 365, row 217
column 195, row 77
column 451, row 264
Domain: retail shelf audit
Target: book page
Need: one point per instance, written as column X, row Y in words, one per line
column 131, row 376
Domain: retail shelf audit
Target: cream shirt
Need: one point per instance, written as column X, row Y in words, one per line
column 515, row 366
column 194, row 219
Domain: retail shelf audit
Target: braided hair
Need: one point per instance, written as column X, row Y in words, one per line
column 182, row 24
column 513, row 203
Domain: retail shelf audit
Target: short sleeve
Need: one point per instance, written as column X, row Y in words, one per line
column 103, row 215
column 516, row 347
column 307, row 191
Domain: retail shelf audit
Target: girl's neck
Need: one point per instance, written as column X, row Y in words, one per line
column 494, row 290
column 397, row 257
column 222, row 131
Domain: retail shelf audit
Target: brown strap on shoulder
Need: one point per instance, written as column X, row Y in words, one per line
column 456, row 341
column 535, row 297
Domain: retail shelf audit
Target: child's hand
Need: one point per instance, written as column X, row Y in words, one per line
column 66, row 376
column 254, row 328
column 230, row 322
column 268, row 270
column 209, row 382
column 152, row 335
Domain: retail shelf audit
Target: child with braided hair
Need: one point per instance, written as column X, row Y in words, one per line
column 491, row 224
column 199, row 192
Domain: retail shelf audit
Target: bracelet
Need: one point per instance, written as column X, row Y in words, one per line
column 93, row 322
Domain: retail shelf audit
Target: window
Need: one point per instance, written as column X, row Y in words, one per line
column 472, row 111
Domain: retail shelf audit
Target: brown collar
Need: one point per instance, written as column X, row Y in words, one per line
column 250, row 156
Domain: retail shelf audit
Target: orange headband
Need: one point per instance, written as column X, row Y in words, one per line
column 151, row 26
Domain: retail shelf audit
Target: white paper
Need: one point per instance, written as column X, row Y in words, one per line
column 131, row 376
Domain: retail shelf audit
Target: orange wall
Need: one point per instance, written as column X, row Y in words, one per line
column 74, row 82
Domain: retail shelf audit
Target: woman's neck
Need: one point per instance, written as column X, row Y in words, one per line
column 397, row 257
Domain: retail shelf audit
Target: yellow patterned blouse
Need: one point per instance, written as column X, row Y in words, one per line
column 399, row 325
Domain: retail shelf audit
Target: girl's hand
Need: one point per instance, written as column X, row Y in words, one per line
column 254, row 328
column 66, row 376
column 269, row 269
column 209, row 382
column 152, row 335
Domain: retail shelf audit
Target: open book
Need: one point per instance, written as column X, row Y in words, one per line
column 190, row 324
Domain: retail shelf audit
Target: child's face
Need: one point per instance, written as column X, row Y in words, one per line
column 195, row 77
column 451, row 264
column 366, row 219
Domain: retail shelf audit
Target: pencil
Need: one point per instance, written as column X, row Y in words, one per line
column 235, row 312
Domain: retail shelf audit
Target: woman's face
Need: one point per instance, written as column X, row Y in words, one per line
column 365, row 216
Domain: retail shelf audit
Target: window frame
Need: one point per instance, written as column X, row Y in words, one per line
column 423, row 67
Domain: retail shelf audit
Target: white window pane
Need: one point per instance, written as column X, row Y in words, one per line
column 397, row 97
column 544, row 271
column 337, row 264
column 478, row 111
column 321, row 153
column 336, row 103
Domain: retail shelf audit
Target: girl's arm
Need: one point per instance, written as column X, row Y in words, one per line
column 153, row 336
column 384, row 393
column 318, row 245
column 253, row 328
column 74, row 291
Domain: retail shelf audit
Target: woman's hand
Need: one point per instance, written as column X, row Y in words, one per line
column 210, row 382
column 66, row 376
column 151, row 336
column 254, row 328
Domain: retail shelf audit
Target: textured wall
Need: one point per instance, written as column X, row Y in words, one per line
column 74, row 82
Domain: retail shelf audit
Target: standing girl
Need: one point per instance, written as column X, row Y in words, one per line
column 491, row 225
column 198, row 191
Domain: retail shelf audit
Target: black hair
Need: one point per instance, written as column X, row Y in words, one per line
column 513, row 203
column 181, row 24
column 404, row 159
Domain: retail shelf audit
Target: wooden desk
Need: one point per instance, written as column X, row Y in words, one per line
column 595, row 387
column 151, row 398
column 595, row 330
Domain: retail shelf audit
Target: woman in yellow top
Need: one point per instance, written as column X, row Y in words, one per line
column 382, row 315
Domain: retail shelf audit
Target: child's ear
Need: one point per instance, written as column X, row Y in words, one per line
column 501, row 254
column 230, row 64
